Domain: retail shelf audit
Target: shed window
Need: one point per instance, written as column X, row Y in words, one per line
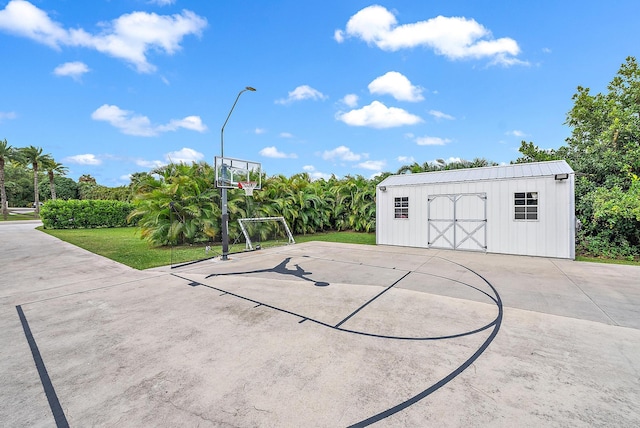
column 401, row 207
column 526, row 206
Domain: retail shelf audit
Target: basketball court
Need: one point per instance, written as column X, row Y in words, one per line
column 315, row 334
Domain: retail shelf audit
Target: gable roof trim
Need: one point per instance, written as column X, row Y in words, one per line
column 503, row 172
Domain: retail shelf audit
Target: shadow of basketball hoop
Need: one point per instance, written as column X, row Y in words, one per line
column 281, row 269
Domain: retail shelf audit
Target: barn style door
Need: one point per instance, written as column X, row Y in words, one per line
column 457, row 222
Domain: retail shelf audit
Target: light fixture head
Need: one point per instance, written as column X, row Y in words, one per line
column 562, row 176
column 383, row 188
column 249, row 88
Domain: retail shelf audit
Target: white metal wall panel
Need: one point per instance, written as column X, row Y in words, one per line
column 401, row 231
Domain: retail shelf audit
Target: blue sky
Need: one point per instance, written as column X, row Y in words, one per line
column 113, row 87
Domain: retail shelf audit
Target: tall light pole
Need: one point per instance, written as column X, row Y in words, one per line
column 223, row 190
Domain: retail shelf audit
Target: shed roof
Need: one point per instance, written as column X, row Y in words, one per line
column 520, row 170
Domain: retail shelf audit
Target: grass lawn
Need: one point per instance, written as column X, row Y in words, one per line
column 125, row 246
column 607, row 261
column 120, row 244
column 343, row 237
column 15, row 217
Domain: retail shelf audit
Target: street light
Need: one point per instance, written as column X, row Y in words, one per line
column 223, row 190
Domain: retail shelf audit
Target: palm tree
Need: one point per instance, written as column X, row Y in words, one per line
column 475, row 163
column 415, row 167
column 33, row 156
column 53, row 168
column 410, row 169
column 179, row 206
column 7, row 153
column 142, row 182
column 86, row 178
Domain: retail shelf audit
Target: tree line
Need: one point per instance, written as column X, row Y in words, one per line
column 20, row 158
column 24, row 169
column 604, row 151
column 179, row 203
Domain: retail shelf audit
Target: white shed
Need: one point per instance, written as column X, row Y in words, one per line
column 525, row 209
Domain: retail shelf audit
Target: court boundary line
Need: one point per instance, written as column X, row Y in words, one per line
column 372, row 299
column 45, row 380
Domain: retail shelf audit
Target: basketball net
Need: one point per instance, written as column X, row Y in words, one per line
column 247, row 186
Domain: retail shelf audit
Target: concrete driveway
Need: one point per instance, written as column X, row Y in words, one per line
column 315, row 334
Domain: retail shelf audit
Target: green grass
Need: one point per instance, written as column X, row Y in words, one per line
column 607, row 261
column 16, row 217
column 343, row 237
column 120, row 244
column 125, row 246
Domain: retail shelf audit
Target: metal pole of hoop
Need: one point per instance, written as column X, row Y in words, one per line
column 223, row 190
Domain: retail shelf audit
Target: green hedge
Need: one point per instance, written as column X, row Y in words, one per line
column 84, row 214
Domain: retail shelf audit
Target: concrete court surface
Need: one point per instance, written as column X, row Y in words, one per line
column 316, row 334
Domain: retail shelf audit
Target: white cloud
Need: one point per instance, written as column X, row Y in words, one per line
column 372, row 165
column 341, row 153
column 131, row 124
column 315, row 175
column 440, row 115
column 368, row 24
column 129, row 37
column 75, row 69
column 260, row 131
column 184, row 155
column 304, row 92
column 377, row 115
column 406, row 159
column 192, row 123
column 452, row 37
column 516, row 133
column 286, row 135
column 126, row 121
column 396, row 85
column 24, row 19
column 432, row 141
column 446, row 161
column 7, row 115
column 350, row 100
column 506, row 61
column 86, row 159
column 150, row 164
column 162, row 2
column 273, row 152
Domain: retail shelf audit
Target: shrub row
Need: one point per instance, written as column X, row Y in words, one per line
column 84, row 214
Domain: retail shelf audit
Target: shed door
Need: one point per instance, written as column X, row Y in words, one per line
column 457, row 222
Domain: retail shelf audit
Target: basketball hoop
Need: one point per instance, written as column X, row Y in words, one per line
column 247, row 186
